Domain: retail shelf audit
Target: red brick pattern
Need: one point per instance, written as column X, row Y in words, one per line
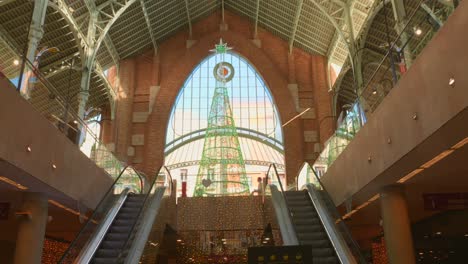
column 175, row 62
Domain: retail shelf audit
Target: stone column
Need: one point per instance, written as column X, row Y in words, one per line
column 399, row 13
column 31, row 228
column 396, row 225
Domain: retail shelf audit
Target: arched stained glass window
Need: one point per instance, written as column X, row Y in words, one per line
column 255, row 116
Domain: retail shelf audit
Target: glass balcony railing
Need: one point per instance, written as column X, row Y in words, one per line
column 46, row 99
column 425, row 18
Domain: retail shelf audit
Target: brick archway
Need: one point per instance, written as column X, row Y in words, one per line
column 173, row 80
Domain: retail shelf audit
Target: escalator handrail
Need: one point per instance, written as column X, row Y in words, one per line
column 88, row 251
column 72, row 244
column 140, row 211
column 272, row 165
column 142, row 177
column 171, row 183
column 340, row 219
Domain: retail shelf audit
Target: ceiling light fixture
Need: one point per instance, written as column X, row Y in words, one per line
column 417, row 31
column 13, row 183
column 54, row 166
column 16, row 62
column 410, row 175
column 28, row 149
column 460, row 144
column 59, row 205
column 452, row 81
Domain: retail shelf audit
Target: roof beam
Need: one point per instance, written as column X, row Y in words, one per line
column 148, row 24
column 11, row 43
column 81, row 38
column 222, row 11
column 333, row 21
column 52, row 68
column 112, row 50
column 4, row 2
column 98, row 28
column 188, row 17
column 92, row 8
column 296, row 22
column 257, row 11
column 432, row 14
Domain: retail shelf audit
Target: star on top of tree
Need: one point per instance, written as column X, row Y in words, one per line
column 221, row 47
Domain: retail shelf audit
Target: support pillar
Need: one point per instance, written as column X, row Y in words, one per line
column 31, row 228
column 396, row 225
column 83, row 96
column 399, row 13
column 88, row 64
column 36, row 32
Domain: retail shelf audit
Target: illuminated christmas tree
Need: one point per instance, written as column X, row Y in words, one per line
column 222, row 166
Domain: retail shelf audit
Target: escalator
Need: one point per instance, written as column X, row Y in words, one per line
column 309, row 217
column 118, row 229
column 309, row 228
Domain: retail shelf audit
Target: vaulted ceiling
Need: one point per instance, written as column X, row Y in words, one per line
column 316, row 26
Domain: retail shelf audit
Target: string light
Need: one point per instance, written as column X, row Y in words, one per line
column 53, row 250
column 226, row 241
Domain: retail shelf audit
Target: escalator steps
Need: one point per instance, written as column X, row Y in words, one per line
column 114, row 241
column 309, row 228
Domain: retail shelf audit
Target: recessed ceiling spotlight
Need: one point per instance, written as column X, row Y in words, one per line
column 54, row 166
column 452, row 81
column 16, row 62
column 374, row 92
column 438, row 233
column 28, row 149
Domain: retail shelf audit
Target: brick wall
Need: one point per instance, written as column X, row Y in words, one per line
column 142, row 124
